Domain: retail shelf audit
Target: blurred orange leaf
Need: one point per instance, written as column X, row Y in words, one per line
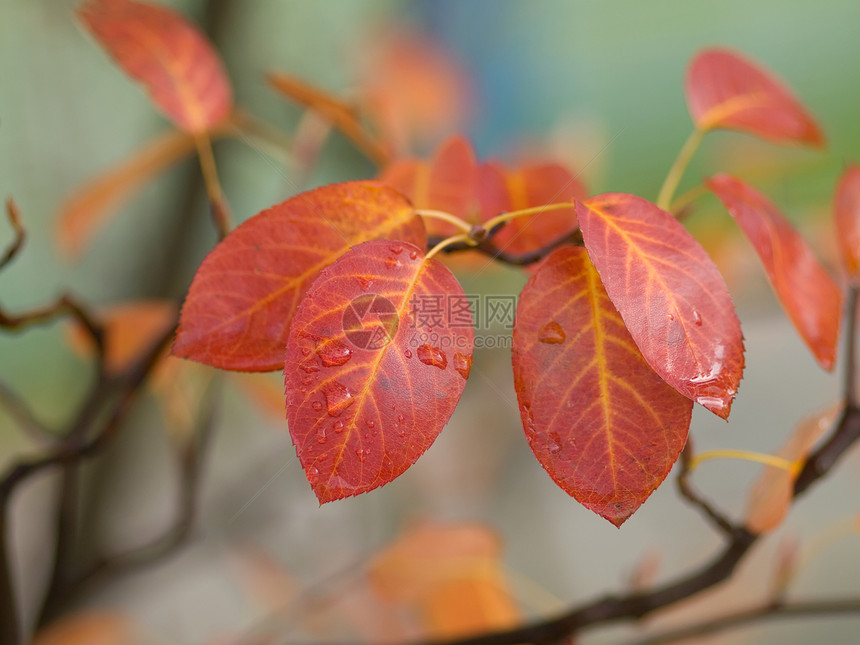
column 725, row 90
column 90, row 628
column 502, row 189
column 770, row 497
column 806, row 291
column 451, row 576
column 447, row 182
column 172, row 58
column 847, row 213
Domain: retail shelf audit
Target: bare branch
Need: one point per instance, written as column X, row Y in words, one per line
column 20, row 234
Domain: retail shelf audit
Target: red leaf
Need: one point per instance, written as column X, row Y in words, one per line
column 806, row 291
column 725, row 90
column 605, row 427
column 447, row 183
column 369, row 384
column 847, row 211
column 501, row 190
column 238, row 310
column 670, row 295
column 159, row 47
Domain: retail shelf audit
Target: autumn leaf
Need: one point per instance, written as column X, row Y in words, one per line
column 447, row 183
column 239, row 307
column 130, row 329
column 847, row 220
column 172, row 58
column 89, row 628
column 770, row 497
column 370, row 381
column 451, row 576
column 670, row 295
column 604, row 426
column 502, row 189
column 806, row 291
column 725, row 90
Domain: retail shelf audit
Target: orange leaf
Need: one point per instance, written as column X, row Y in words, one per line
column 89, row 628
column 85, row 212
column 130, row 329
column 770, row 497
column 370, row 382
column 501, row 190
column 451, row 576
column 239, row 307
column 605, row 427
column 160, row 48
column 806, row 291
column 725, row 90
column 847, row 211
column 670, row 295
column 447, row 182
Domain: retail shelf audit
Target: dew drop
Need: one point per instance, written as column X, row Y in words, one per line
column 463, row 364
column 306, row 351
column 332, row 352
column 551, row 333
column 554, row 443
column 317, row 405
column 361, row 453
column 671, row 317
column 392, row 262
column 370, row 423
column 337, row 398
column 697, row 318
column 408, row 353
column 321, row 438
column 364, row 282
column 401, row 418
column 413, row 254
column 396, row 249
column 432, row 356
column 312, row 473
column 310, row 366
column 338, row 426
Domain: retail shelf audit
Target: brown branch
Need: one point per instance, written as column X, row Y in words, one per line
column 20, row 234
column 691, row 495
column 770, row 611
column 489, row 249
column 17, row 408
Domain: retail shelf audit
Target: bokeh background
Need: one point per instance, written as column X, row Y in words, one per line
column 596, row 85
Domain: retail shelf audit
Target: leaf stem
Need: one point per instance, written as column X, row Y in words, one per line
column 220, row 209
column 454, row 239
column 769, row 460
column 670, row 185
column 492, row 223
column 446, row 217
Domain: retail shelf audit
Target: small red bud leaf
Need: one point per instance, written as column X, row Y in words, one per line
column 370, row 380
column 240, row 304
column 605, row 427
column 669, row 293
column 171, row 57
column 847, row 213
column 725, row 90
column 806, row 291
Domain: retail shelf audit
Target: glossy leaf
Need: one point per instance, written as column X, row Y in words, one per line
column 448, row 578
column 725, row 90
column 806, row 291
column 670, row 295
column 605, row 427
column 239, row 307
column 771, row 495
column 501, row 189
column 847, row 215
column 447, row 182
column 370, row 380
column 172, row 58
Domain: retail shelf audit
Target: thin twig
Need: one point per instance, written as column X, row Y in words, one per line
column 770, row 611
column 20, row 234
column 691, row 495
column 17, row 408
column 486, row 247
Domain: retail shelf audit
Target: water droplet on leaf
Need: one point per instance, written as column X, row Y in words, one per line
column 697, row 318
column 413, row 254
column 306, row 351
column 321, row 438
column 397, row 249
column 551, row 333
column 364, row 282
column 337, row 398
column 316, row 405
column 333, row 353
column 432, row 356
column 370, row 423
column 408, row 353
column 463, row 364
column 361, row 453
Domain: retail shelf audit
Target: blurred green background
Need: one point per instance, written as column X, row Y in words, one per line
column 604, row 78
